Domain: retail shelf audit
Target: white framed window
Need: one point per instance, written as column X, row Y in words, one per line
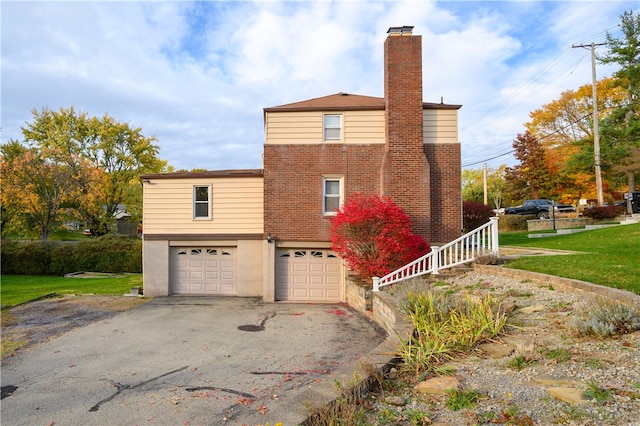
column 202, row 201
column 332, row 191
column 332, row 127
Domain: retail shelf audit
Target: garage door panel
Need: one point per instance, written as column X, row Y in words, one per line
column 308, row 275
column 300, row 268
column 203, row 270
column 317, row 280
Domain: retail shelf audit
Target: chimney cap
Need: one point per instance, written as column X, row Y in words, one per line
column 405, row 29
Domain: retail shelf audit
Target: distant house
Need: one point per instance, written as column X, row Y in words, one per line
column 265, row 232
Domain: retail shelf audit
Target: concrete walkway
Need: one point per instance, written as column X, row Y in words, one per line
column 190, row 361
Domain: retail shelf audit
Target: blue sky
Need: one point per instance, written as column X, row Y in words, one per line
column 197, row 75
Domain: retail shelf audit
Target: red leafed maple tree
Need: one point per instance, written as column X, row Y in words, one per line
column 374, row 236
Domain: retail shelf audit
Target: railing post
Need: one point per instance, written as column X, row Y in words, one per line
column 376, row 283
column 495, row 245
column 435, row 259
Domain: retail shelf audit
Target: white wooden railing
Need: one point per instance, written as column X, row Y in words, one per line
column 481, row 241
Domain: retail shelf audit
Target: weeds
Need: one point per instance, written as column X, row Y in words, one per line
column 461, row 399
column 598, row 393
column 445, row 326
column 345, row 410
column 519, row 362
column 558, row 355
column 606, row 318
column 593, row 363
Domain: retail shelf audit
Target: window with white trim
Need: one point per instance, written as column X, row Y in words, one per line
column 332, row 127
column 331, row 195
column 202, row 202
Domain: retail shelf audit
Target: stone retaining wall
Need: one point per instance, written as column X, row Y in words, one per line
column 559, row 283
column 561, row 223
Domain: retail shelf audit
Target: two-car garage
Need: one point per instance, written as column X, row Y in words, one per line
column 301, row 274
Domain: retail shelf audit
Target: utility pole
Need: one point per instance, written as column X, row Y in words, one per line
column 484, row 184
column 596, row 130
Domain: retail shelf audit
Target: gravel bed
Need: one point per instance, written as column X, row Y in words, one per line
column 512, row 396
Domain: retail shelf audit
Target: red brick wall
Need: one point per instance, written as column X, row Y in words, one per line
column 405, row 171
column 293, row 185
column 446, row 197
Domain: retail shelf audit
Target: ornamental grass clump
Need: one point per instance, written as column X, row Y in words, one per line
column 606, row 318
column 446, row 325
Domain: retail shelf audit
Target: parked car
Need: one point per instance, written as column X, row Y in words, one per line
column 540, row 208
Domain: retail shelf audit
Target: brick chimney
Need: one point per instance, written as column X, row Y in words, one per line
column 405, row 171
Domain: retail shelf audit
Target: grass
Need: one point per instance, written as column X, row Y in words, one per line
column 16, row 289
column 609, row 256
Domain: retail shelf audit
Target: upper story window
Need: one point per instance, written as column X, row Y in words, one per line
column 202, row 202
column 331, row 195
column 332, row 127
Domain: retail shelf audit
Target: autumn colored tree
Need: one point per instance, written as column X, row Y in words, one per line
column 39, row 185
column 118, row 153
column 531, row 178
column 374, row 236
column 565, row 128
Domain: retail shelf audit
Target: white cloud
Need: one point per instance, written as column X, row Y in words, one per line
column 197, row 75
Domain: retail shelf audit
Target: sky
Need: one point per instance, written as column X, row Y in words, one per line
column 197, row 75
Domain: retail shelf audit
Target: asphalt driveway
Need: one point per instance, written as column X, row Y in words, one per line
column 190, row 361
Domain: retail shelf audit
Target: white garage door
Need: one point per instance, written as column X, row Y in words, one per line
column 203, row 270
column 308, row 275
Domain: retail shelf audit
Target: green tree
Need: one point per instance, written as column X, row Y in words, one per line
column 621, row 129
column 118, row 151
column 473, row 186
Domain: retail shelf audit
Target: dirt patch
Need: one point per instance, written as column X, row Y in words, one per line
column 33, row 323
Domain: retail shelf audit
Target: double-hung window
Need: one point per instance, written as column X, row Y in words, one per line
column 332, row 127
column 331, row 195
column 202, row 202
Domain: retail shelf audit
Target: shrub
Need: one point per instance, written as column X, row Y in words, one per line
column 374, row 236
column 105, row 254
column 605, row 318
column 515, row 222
column 475, row 214
column 604, row 212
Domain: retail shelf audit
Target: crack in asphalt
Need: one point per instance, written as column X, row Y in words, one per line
column 213, row 388
column 268, row 316
column 120, row 387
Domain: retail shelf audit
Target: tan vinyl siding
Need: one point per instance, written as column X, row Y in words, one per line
column 364, row 127
column 440, row 126
column 237, row 206
column 306, row 127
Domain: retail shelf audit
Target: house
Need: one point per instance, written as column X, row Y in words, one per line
column 266, row 232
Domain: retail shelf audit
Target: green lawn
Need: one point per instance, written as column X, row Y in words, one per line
column 611, row 256
column 16, row 289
